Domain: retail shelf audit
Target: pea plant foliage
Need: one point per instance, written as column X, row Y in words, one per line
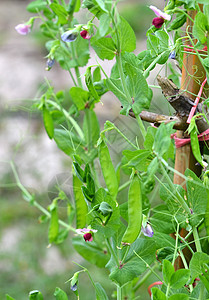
column 113, row 218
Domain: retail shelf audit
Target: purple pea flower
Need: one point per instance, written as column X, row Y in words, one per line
column 74, row 287
column 23, row 29
column 87, row 234
column 69, row 36
column 172, row 55
column 161, row 17
column 147, row 230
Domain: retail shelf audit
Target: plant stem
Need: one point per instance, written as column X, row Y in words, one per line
column 125, row 254
column 77, row 72
column 123, row 186
column 119, row 292
column 144, row 278
column 141, row 125
column 29, row 198
column 196, row 239
column 185, row 266
column 109, row 246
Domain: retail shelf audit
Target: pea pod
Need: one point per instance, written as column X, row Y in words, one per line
column 108, row 169
column 206, row 183
column 80, row 203
column 134, row 211
column 195, row 147
column 90, row 86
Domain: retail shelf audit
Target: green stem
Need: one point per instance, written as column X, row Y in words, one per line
column 77, row 72
column 146, row 72
column 125, row 254
column 141, row 126
column 29, row 198
column 185, row 266
column 119, row 293
column 151, row 269
column 196, row 239
column 109, row 246
column 123, row 186
column 144, row 278
column 68, row 117
column 176, row 245
column 125, row 138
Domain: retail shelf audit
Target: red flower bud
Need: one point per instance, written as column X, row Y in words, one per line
column 85, row 35
column 88, row 237
column 158, row 22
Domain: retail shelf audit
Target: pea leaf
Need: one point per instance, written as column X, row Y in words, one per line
column 35, row 295
column 9, row 297
column 126, row 35
column 80, row 203
column 179, row 278
column 60, row 294
column 162, row 138
column 197, row 197
column 179, row 297
column 196, row 263
column 36, row 6
column 91, row 252
column 168, row 271
column 133, row 266
column 200, row 27
column 158, row 294
column 104, row 48
column 104, row 24
column 61, row 13
column 100, row 292
column 79, row 97
column 53, row 225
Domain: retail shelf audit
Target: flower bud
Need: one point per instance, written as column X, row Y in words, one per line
column 85, row 34
column 158, row 22
column 23, row 29
column 147, row 230
column 88, row 237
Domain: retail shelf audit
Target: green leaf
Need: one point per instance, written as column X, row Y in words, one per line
column 163, row 240
column 179, row 297
column 9, row 297
column 150, row 137
column 36, row 6
column 126, row 35
column 100, row 292
column 104, row 24
column 60, row 294
column 104, row 48
column 158, row 294
column 200, row 27
column 134, row 266
column 179, row 278
column 90, row 251
column 139, row 159
column 115, row 86
column 196, row 263
column 61, row 13
column 79, row 97
column 162, row 220
column 35, row 295
column 48, row 122
column 197, row 197
column 168, row 271
column 162, row 138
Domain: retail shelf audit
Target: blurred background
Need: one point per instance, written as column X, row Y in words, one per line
column 25, row 261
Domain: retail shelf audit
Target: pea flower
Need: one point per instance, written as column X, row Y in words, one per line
column 85, row 34
column 23, row 29
column 49, row 64
column 69, row 36
column 147, row 230
column 161, row 17
column 87, row 233
column 172, row 55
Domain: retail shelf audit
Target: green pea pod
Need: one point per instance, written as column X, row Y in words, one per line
column 90, row 86
column 48, row 122
column 54, row 223
column 134, row 211
column 108, row 169
column 206, row 183
column 80, row 203
column 195, row 146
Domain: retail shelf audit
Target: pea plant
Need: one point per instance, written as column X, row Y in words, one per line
column 114, row 218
